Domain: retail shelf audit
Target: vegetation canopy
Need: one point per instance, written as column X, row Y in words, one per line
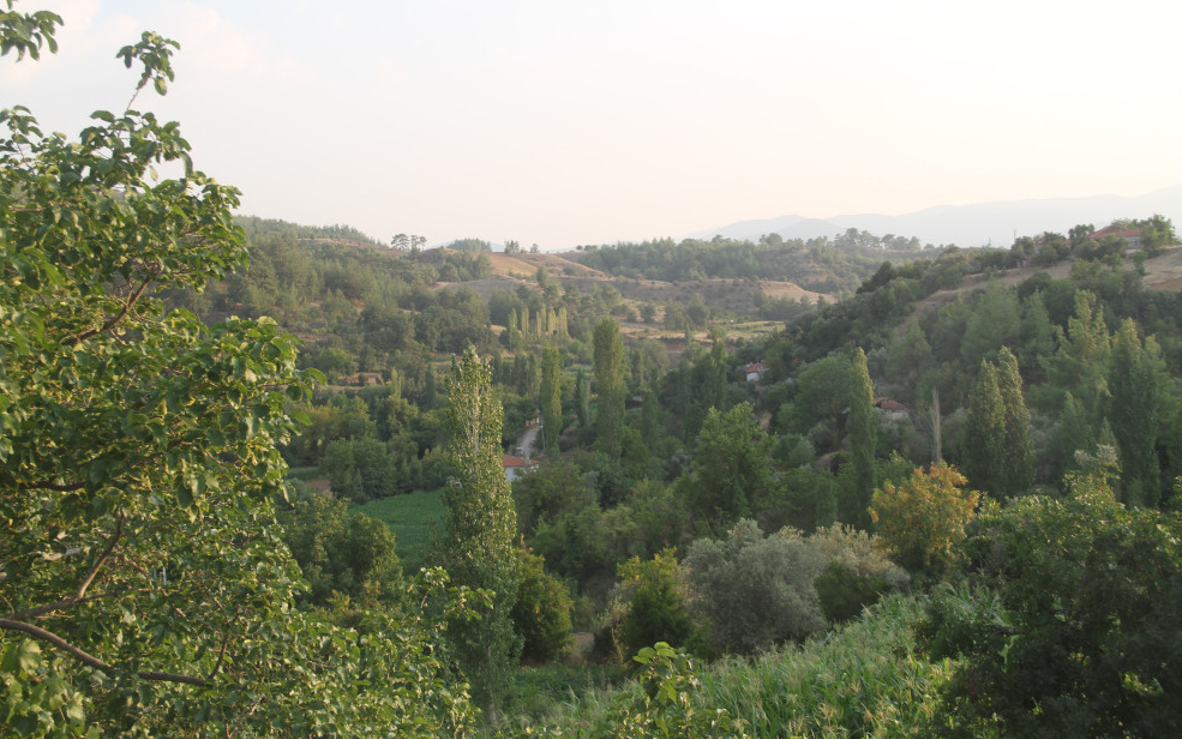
column 144, row 590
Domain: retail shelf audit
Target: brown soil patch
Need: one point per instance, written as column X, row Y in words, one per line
column 526, row 265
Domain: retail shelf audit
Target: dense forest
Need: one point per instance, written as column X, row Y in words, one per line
column 942, row 500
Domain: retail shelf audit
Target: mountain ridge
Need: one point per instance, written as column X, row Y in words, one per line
column 995, row 223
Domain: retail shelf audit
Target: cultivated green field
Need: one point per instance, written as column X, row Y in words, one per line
column 413, row 518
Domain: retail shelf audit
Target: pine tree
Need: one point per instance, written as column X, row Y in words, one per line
column 480, row 524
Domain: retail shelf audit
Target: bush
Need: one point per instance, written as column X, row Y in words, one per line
column 1070, row 624
column 351, row 555
column 755, row 592
column 843, row 594
column 648, row 605
column 541, row 614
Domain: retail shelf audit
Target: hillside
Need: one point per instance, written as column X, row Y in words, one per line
column 1161, row 273
column 721, row 296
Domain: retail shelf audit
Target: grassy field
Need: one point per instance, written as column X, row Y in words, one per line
column 412, row 518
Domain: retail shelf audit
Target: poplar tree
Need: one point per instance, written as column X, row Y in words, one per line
column 609, row 384
column 551, row 400
column 1016, row 467
column 480, row 524
column 582, row 399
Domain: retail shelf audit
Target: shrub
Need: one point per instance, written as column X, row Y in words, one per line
column 1070, row 624
column 541, row 614
column 648, row 605
column 755, row 592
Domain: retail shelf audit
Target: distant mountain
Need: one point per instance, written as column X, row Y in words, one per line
column 981, row 224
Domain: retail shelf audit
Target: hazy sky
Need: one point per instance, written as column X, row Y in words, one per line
column 562, row 123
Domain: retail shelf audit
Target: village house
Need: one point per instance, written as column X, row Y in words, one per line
column 516, row 467
column 753, row 371
column 1132, row 236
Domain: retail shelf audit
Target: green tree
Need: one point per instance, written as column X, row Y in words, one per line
column 582, row 399
column 653, row 595
column 1080, row 364
column 984, row 442
column 359, row 469
column 862, row 430
column 995, row 322
column 907, row 361
column 821, row 392
column 920, row 521
column 1069, row 625
column 998, row 455
column 1156, row 234
column 731, row 468
column 541, row 612
column 1136, row 377
column 609, row 385
column 145, row 589
column 1016, row 475
column 753, row 591
column 480, row 524
column 338, row 553
column 551, row 394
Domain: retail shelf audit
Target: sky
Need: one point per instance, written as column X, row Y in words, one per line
column 558, row 123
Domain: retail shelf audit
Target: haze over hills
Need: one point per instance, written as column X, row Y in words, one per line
column 981, row 224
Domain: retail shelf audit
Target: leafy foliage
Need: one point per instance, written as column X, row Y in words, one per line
column 145, row 589
column 652, row 597
column 609, row 385
column 480, row 525
column 1071, row 627
column 731, row 469
column 541, row 613
column 755, row 591
column 920, row 522
column 351, row 555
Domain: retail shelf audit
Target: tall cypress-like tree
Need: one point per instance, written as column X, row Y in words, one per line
column 862, row 431
column 983, row 447
column 609, row 385
column 1016, row 473
column 1135, row 383
column 551, row 400
column 998, row 455
column 480, row 524
column 582, row 399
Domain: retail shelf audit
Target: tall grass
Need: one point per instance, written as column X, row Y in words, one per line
column 413, row 518
column 864, row 679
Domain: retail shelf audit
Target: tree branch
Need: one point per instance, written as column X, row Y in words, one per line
column 80, row 595
column 48, row 636
column 110, row 323
column 90, row 660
